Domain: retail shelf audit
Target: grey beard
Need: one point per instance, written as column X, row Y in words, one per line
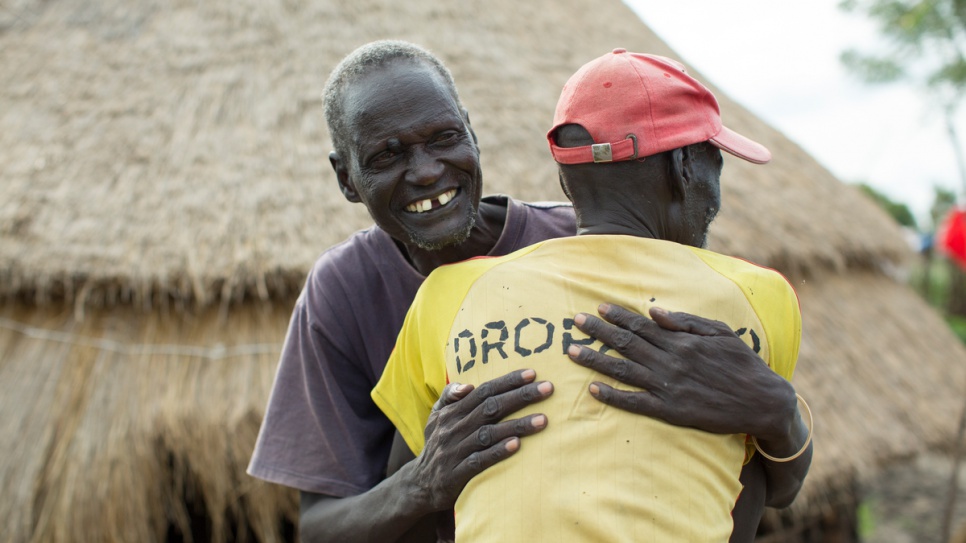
column 427, row 245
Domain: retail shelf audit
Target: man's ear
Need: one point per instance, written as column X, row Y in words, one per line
column 346, row 185
column 679, row 178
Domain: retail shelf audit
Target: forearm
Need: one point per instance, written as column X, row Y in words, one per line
column 384, row 513
column 751, row 502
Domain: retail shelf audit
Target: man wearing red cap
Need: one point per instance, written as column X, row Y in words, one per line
column 637, row 141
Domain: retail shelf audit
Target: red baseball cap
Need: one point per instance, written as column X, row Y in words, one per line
column 636, row 105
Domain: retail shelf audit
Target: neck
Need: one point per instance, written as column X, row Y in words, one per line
column 615, row 229
column 621, row 218
column 490, row 219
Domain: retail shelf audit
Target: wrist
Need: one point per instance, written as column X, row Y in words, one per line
column 412, row 484
column 780, row 415
column 791, row 445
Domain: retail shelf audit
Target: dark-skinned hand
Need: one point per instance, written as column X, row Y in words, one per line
column 464, row 435
column 694, row 372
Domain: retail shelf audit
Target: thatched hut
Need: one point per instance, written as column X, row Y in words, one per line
column 165, row 189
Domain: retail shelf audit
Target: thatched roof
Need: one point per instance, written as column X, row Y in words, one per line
column 164, row 173
column 162, row 149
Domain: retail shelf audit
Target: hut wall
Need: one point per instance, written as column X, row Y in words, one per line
column 137, row 426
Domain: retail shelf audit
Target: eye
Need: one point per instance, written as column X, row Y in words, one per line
column 383, row 158
column 447, row 137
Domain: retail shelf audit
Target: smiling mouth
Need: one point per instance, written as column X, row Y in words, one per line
column 428, row 204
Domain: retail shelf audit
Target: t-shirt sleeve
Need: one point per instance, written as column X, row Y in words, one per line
column 782, row 319
column 774, row 302
column 416, row 373
column 321, row 432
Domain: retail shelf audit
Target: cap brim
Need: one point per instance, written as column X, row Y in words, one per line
column 740, row 146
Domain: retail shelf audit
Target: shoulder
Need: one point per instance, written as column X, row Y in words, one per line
column 775, row 302
column 345, row 274
column 765, row 288
column 549, row 205
column 740, row 269
column 446, row 281
column 350, row 259
column 528, row 223
column 557, row 217
column 546, row 209
column 358, row 245
column 549, row 210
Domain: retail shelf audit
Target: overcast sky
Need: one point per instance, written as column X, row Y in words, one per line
column 781, row 60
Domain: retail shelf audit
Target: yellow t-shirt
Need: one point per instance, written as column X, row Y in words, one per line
column 596, row 473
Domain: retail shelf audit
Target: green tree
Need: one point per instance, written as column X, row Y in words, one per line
column 925, row 44
column 898, row 211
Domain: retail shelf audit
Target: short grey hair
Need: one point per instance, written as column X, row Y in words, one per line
column 360, row 62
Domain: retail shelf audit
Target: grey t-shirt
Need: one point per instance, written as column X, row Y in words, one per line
column 322, row 432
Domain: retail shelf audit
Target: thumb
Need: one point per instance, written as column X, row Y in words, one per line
column 452, row 393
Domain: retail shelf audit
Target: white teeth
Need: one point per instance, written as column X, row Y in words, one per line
column 425, row 205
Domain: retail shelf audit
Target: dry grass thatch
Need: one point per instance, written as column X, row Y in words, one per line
column 164, row 175
column 119, row 434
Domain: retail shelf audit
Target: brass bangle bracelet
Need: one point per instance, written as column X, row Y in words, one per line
column 808, row 439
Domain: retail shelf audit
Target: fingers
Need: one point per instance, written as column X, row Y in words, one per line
column 485, row 432
column 481, row 460
column 488, row 403
column 503, row 396
column 636, row 336
column 641, row 343
column 474, row 422
column 624, row 331
column 624, row 318
column 491, row 434
column 686, row 322
column 624, row 370
column 467, row 433
column 640, row 402
column 492, row 443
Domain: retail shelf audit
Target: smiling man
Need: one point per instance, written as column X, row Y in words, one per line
column 405, row 149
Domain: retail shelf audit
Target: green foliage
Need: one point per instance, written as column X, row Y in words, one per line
column 937, row 279
column 931, row 277
column 872, row 70
column 865, row 518
column 943, row 200
column 926, row 40
column 958, row 324
column 898, row 211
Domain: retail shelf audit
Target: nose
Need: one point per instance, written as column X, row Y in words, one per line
column 424, row 167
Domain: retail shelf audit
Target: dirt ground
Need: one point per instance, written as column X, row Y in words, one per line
column 906, row 502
